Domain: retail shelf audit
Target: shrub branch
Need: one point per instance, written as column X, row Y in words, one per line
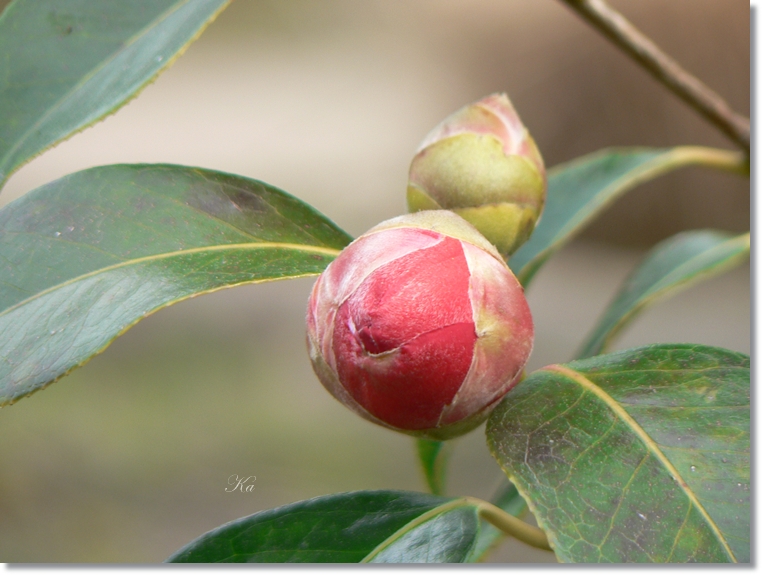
column 664, row 68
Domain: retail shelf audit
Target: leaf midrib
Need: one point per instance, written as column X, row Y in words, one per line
column 667, row 285
column 667, row 160
column 600, row 198
column 420, row 520
column 743, row 240
column 248, row 246
column 650, row 444
column 650, row 167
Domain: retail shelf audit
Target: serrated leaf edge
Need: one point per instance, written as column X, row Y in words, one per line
column 4, row 176
column 7, row 401
column 10, row 400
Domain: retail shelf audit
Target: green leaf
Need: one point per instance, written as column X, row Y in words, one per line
column 434, row 456
column 579, row 190
column 364, row 526
column 636, row 456
column 509, row 500
column 69, row 63
column 673, row 265
column 85, row 257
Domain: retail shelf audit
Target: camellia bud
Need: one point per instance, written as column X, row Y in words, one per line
column 482, row 164
column 418, row 325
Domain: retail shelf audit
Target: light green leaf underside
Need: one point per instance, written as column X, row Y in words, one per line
column 85, row 257
column 672, row 265
column 69, row 63
column 364, row 526
column 582, row 188
column 635, row 456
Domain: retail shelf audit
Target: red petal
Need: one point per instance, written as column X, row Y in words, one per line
column 410, row 387
column 420, row 292
column 416, row 312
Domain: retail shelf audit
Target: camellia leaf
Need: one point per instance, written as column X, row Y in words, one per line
column 674, row 264
column 635, row 456
column 85, row 257
column 68, row 63
column 364, row 526
column 579, row 190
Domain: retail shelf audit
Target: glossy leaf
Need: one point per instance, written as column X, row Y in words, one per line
column 579, row 190
column 85, row 257
column 70, row 62
column 364, row 526
column 673, row 265
column 635, row 456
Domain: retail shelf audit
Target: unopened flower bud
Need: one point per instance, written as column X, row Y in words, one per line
column 482, row 164
column 419, row 325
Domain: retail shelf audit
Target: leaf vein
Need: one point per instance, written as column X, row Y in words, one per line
column 157, row 257
column 650, row 444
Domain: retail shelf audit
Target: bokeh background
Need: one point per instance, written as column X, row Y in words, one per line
column 127, row 459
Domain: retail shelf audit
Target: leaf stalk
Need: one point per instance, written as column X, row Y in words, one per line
column 510, row 525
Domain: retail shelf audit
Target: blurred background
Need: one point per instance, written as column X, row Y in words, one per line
column 127, row 459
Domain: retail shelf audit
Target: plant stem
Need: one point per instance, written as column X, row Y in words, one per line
column 664, row 68
column 511, row 525
column 434, row 456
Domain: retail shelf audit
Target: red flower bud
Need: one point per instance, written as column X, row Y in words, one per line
column 419, row 326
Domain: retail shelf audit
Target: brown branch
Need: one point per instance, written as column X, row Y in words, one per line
column 665, row 69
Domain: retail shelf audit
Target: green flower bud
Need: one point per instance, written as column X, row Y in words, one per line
column 482, row 164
